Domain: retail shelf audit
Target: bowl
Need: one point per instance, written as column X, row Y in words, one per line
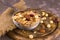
column 27, row 20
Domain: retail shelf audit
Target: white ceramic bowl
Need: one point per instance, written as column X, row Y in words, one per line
column 25, row 28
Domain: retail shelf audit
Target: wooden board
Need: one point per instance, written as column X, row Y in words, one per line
column 15, row 34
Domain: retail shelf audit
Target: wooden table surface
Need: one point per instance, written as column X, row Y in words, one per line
column 52, row 5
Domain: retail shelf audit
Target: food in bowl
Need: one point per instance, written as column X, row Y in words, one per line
column 26, row 20
column 48, row 24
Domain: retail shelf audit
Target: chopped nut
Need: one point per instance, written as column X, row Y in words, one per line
column 24, row 18
column 51, row 21
column 46, row 15
column 44, row 18
column 31, row 36
column 41, row 21
column 36, row 16
column 43, row 13
column 48, row 25
column 34, row 31
column 31, row 12
column 20, row 15
column 24, row 22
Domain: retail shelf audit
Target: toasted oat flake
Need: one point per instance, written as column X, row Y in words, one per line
column 18, row 14
column 31, row 36
column 24, row 18
column 15, row 17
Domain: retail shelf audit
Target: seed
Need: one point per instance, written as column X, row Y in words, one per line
column 48, row 25
column 51, row 21
column 31, row 36
column 46, row 15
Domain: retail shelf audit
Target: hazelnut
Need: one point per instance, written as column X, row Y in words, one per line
column 41, row 21
column 46, row 15
column 51, row 21
column 34, row 31
column 48, row 25
column 36, row 16
column 44, row 18
column 30, row 36
column 43, row 13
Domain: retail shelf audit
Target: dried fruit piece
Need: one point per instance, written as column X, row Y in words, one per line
column 27, row 17
column 31, row 15
column 42, row 30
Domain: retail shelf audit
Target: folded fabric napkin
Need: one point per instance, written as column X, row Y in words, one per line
column 6, row 23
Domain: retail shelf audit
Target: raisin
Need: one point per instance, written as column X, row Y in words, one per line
column 31, row 15
column 27, row 17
